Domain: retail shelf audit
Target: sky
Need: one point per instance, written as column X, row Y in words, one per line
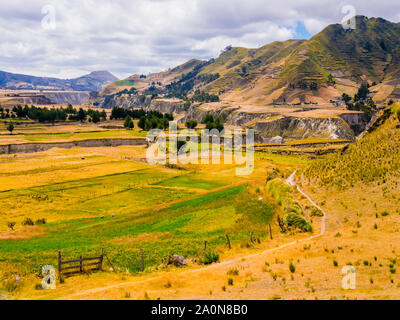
column 69, row 38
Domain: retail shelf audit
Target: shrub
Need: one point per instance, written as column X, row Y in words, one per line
column 233, row 272
column 315, row 212
column 295, row 220
column 10, row 127
column 335, row 263
column 230, row 282
column 11, row 225
column 191, row 124
column 210, row 257
column 28, row 222
column 292, row 268
column 40, row 221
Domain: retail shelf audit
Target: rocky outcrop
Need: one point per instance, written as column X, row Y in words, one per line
column 74, row 98
column 289, row 128
column 270, row 127
column 52, row 97
column 89, row 143
column 135, row 101
column 167, row 106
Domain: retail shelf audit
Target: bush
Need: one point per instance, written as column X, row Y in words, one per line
column 230, row 282
column 40, row 221
column 292, row 268
column 10, row 127
column 315, row 212
column 210, row 257
column 28, row 222
column 295, row 220
column 11, row 225
column 233, row 272
column 191, row 124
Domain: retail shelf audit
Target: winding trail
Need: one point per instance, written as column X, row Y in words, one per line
column 289, row 181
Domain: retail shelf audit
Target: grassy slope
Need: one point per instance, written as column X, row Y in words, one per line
column 375, row 158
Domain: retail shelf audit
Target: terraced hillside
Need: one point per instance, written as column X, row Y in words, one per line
column 320, row 69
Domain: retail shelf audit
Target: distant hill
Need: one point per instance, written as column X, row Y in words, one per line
column 318, row 70
column 94, row 81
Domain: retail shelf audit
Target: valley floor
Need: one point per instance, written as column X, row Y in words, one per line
column 110, row 198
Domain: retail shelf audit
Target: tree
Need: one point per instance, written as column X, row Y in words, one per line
column 208, row 118
column 362, row 93
column 127, row 121
column 82, row 115
column 346, row 98
column 142, row 122
column 10, row 127
column 96, row 117
column 191, row 124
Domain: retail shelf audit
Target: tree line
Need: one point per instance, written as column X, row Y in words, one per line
column 148, row 120
column 43, row 114
column 361, row 101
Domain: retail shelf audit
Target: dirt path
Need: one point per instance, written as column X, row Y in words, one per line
column 289, row 181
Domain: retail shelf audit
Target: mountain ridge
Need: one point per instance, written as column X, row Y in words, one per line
column 93, row 81
column 317, row 70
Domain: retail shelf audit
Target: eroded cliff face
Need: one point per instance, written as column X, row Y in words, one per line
column 74, row 98
column 167, row 106
column 291, row 128
column 270, row 127
column 129, row 102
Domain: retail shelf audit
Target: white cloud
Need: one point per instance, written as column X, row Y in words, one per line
column 130, row 36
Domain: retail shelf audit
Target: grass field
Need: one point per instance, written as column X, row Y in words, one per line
column 109, row 198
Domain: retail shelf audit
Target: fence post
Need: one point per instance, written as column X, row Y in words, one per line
column 251, row 236
column 205, row 245
column 141, row 256
column 80, row 264
column 59, row 263
column 101, row 259
column 270, row 231
column 228, row 241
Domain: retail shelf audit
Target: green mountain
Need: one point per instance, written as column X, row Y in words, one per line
column 317, row 70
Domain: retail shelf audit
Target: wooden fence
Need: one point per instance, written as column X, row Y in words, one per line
column 81, row 267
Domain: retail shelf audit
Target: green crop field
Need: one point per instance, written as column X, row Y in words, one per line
column 164, row 211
